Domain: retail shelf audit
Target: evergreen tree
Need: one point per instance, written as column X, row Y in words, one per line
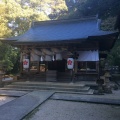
column 16, row 17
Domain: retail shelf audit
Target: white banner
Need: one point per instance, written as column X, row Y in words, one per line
column 88, row 55
column 25, row 63
column 70, row 63
column 58, row 56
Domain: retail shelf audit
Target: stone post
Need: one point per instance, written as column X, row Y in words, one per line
column 107, row 88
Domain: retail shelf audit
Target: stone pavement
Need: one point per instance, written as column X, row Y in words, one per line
column 66, row 106
column 113, row 99
column 12, row 93
column 69, row 110
column 25, row 102
column 20, row 107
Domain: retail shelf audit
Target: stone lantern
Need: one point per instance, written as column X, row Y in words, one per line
column 107, row 88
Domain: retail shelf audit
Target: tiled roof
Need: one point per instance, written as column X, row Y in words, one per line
column 56, row 31
column 61, row 30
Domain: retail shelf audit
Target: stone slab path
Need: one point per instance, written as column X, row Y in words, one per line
column 12, row 93
column 113, row 99
column 20, row 107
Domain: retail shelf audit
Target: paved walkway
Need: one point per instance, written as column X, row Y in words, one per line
column 12, row 93
column 25, row 102
column 113, row 99
column 20, row 107
column 67, row 110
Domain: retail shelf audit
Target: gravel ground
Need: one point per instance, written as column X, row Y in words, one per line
column 66, row 110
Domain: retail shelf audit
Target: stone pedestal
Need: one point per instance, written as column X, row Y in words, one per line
column 100, row 90
column 107, row 87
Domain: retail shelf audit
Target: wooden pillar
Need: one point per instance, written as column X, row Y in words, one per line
column 86, row 66
column 21, row 61
column 97, row 68
column 75, row 66
column 29, row 60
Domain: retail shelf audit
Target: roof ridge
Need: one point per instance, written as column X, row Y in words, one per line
column 36, row 23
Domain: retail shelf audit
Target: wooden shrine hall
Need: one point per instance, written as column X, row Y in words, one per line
column 47, row 46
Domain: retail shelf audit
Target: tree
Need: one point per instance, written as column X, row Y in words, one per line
column 117, row 23
column 114, row 56
column 104, row 8
column 4, row 30
column 16, row 17
column 8, row 56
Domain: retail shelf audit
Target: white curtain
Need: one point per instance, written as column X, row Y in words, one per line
column 88, row 55
column 48, row 58
column 34, row 55
column 58, row 56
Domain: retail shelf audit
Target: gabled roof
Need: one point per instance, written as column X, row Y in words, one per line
column 56, row 30
column 62, row 30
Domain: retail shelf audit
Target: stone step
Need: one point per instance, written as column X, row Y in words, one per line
column 89, row 92
column 49, row 88
column 15, row 89
column 56, row 90
column 61, row 78
column 49, row 84
column 64, row 79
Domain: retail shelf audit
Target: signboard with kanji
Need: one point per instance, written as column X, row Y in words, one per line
column 70, row 63
column 25, row 63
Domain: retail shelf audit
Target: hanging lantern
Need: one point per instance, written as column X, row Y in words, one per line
column 25, row 63
column 58, row 56
column 70, row 63
column 48, row 58
column 21, row 57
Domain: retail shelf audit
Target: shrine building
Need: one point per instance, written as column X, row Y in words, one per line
column 57, row 50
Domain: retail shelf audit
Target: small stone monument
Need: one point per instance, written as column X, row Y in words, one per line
column 107, row 87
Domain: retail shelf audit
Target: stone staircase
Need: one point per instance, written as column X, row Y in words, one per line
column 39, row 77
column 52, row 86
column 63, row 76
